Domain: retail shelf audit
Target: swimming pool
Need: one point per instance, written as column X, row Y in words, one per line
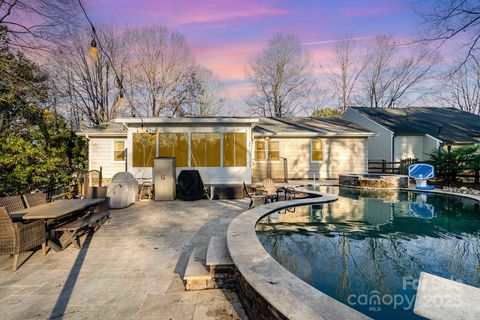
column 368, row 248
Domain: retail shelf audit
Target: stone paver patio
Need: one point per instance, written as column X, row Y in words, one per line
column 130, row 268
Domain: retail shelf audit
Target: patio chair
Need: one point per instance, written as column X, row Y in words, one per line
column 145, row 190
column 34, row 199
column 19, row 237
column 274, row 193
column 12, row 204
column 254, row 196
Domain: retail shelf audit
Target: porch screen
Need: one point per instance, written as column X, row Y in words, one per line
column 235, row 149
column 317, row 150
column 143, row 149
column 174, row 145
column 205, row 150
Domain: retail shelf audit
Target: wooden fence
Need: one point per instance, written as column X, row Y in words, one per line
column 64, row 192
column 401, row 167
column 383, row 166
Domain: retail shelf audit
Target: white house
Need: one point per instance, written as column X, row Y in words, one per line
column 230, row 150
column 220, row 148
column 305, row 147
column 414, row 132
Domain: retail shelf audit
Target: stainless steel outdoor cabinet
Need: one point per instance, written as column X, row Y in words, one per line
column 164, row 178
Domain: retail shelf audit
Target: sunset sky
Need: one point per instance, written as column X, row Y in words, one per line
column 224, row 35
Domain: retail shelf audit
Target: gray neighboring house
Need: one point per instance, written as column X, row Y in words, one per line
column 414, row 132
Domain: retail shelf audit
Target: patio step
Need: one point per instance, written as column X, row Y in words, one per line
column 219, row 269
column 197, row 277
column 220, row 263
column 217, row 254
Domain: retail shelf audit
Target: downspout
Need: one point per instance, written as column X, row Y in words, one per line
column 126, row 159
column 393, row 148
column 89, row 153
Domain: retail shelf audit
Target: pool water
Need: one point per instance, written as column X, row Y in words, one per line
column 367, row 249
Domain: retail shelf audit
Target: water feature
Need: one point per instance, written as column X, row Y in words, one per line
column 368, row 248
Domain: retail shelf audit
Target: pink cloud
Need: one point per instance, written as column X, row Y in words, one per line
column 231, row 61
column 227, row 61
column 181, row 12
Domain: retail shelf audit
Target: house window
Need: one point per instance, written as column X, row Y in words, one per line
column 260, row 150
column 273, row 150
column 317, row 150
column 174, row 145
column 143, row 149
column 235, row 149
column 205, row 149
column 119, row 150
column 267, row 150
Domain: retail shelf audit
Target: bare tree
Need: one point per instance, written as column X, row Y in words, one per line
column 454, row 22
column 161, row 65
column 345, row 72
column 151, row 70
column 88, row 86
column 462, row 90
column 205, row 96
column 377, row 66
column 281, row 77
column 30, row 23
column 391, row 77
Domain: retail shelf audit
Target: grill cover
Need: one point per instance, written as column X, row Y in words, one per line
column 190, row 185
column 123, row 190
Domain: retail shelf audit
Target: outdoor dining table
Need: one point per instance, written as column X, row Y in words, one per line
column 56, row 211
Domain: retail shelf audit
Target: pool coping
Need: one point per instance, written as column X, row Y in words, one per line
column 438, row 191
column 292, row 297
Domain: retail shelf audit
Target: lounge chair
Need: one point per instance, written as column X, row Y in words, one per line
column 254, row 196
column 18, row 237
column 274, row 193
column 34, row 199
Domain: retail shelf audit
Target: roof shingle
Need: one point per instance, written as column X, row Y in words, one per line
column 449, row 125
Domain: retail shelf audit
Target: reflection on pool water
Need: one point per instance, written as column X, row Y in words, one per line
column 367, row 249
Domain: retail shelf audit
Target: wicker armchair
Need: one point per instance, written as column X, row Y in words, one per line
column 34, row 199
column 12, row 203
column 18, row 237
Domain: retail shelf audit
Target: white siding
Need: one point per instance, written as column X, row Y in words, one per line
column 101, row 155
column 408, row 147
column 380, row 146
column 340, row 155
column 429, row 145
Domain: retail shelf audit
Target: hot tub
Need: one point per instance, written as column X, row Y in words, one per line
column 374, row 180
